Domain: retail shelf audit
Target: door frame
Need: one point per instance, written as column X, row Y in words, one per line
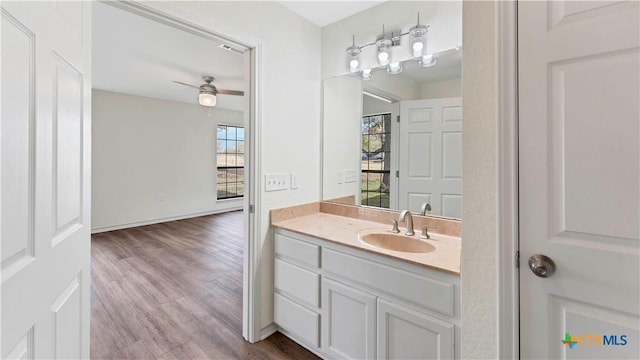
column 508, row 321
column 252, row 252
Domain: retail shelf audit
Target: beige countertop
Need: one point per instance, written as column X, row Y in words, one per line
column 344, row 230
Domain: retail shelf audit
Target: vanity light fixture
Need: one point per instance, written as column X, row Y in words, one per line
column 384, row 46
column 418, row 39
column 353, row 57
column 384, row 49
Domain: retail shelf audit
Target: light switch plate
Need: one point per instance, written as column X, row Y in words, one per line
column 294, row 180
column 350, row 176
column 276, row 182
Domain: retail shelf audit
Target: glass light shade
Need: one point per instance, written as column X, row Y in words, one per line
column 208, row 100
column 384, row 51
column 353, row 59
column 428, row 60
column 418, row 40
column 366, row 74
column 394, row 68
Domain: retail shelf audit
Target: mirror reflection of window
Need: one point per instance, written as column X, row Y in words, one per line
column 375, row 170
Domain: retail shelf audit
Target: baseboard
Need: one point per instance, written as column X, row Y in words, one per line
column 268, row 331
column 161, row 220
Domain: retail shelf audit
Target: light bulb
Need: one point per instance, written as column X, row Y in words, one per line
column 428, row 60
column 353, row 64
column 366, row 74
column 394, row 68
column 383, row 57
column 207, row 100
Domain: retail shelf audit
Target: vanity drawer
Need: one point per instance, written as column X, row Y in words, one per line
column 421, row 290
column 296, row 250
column 298, row 320
column 298, row 282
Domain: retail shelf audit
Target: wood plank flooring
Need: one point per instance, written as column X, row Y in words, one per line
column 174, row 291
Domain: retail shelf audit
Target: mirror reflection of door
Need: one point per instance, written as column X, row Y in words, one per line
column 430, row 156
column 414, row 161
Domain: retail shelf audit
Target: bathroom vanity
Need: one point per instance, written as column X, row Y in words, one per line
column 341, row 297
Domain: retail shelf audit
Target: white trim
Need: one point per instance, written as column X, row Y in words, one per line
column 268, row 330
column 507, row 246
column 252, row 270
column 101, row 229
column 168, row 13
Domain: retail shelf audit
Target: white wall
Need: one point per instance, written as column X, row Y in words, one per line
column 441, row 89
column 445, row 32
column 373, row 106
column 479, row 161
column 290, row 113
column 399, row 87
column 342, row 139
column 153, row 160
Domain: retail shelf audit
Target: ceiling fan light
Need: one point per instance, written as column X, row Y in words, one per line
column 208, row 100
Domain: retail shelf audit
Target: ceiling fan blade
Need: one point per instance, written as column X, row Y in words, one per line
column 185, row 84
column 230, row 92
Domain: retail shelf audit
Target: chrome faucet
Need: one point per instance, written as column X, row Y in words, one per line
column 424, row 208
column 406, row 214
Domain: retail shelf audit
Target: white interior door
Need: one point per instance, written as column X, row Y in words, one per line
column 430, row 156
column 579, row 125
column 45, row 144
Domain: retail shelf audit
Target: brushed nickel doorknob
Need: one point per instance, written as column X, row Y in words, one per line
column 541, row 265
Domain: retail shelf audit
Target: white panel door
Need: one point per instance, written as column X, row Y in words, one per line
column 430, row 156
column 579, row 124
column 45, row 168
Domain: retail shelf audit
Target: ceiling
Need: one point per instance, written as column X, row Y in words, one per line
column 324, row 13
column 138, row 56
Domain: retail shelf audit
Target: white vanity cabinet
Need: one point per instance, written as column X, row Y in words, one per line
column 297, row 289
column 348, row 321
column 346, row 303
column 407, row 334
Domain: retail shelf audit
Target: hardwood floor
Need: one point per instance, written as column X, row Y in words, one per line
column 174, row 291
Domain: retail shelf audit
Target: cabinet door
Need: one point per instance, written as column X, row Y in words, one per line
column 348, row 322
column 407, row 334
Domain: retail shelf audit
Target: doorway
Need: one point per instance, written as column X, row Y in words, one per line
column 244, row 56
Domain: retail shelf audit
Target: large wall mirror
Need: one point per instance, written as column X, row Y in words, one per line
column 395, row 141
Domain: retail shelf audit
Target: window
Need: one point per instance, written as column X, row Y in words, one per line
column 376, row 160
column 230, row 162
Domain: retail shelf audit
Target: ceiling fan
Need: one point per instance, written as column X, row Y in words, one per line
column 207, row 95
